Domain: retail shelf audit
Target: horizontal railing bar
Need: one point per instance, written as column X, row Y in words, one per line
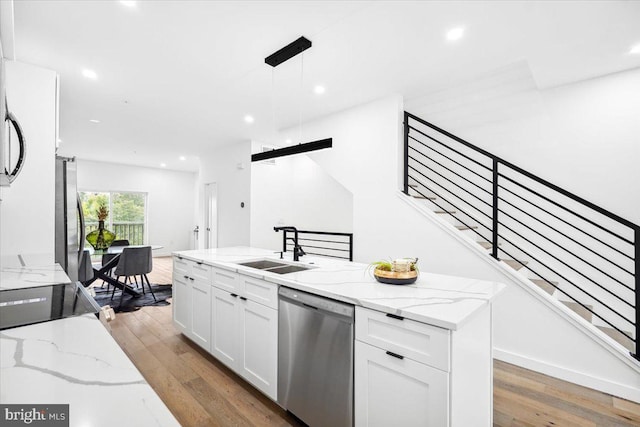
column 571, row 238
column 448, row 180
column 566, row 209
column 450, row 192
column 326, row 233
column 453, row 172
column 528, row 174
column 569, row 266
column 456, row 218
column 573, row 298
column 450, row 159
column 322, row 241
column 327, row 255
column 325, row 248
column 446, row 146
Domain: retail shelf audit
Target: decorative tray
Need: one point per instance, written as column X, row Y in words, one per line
column 395, row 277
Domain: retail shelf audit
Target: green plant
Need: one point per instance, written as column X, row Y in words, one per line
column 388, row 265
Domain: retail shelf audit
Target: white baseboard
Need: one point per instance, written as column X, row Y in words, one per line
column 606, row 386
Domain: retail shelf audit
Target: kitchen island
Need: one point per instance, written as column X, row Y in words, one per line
column 423, row 352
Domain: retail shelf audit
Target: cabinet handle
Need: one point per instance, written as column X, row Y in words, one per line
column 179, row 257
column 395, row 316
column 234, row 295
column 191, row 278
column 243, row 298
column 186, row 277
column 199, row 262
column 397, row 356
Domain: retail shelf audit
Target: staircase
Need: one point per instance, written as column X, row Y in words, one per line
column 572, row 250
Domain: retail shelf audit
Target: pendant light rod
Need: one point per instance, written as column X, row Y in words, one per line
column 293, row 149
column 288, row 52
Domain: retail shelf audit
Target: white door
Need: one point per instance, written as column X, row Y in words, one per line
column 224, row 327
column 211, row 215
column 259, row 335
column 390, row 391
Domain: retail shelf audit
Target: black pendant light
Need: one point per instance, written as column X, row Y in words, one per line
column 275, row 59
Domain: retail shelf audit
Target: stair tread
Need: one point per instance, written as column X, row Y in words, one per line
column 464, row 227
column 545, row 286
column 424, row 197
column 445, row 212
column 516, row 265
column 580, row 310
column 486, row 245
column 616, row 335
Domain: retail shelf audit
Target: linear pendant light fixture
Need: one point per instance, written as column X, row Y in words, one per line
column 275, row 59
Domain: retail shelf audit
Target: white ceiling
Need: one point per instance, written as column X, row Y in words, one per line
column 176, row 78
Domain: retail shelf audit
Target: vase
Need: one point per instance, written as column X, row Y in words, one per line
column 101, row 238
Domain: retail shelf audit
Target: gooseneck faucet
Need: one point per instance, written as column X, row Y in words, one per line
column 297, row 249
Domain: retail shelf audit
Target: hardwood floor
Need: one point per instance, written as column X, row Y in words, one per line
column 200, row 391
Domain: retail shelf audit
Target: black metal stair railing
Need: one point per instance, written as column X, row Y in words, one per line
column 322, row 243
column 588, row 254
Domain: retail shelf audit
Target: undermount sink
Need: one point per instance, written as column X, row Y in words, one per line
column 275, row 266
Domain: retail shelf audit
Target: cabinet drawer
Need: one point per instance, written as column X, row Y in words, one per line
column 414, row 340
column 180, row 267
column 260, row 291
column 227, row 280
column 201, row 272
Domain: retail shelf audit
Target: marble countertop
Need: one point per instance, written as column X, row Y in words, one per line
column 444, row 301
column 75, row 361
column 32, row 276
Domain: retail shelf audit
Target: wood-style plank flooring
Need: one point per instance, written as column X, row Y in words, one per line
column 200, row 391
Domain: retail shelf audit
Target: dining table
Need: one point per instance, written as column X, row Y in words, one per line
column 102, row 272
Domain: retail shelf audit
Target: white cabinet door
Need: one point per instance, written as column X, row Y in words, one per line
column 259, row 344
column 390, row 391
column 181, row 302
column 224, row 327
column 201, row 313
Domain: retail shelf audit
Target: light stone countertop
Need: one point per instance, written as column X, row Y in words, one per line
column 440, row 300
column 32, row 276
column 75, row 361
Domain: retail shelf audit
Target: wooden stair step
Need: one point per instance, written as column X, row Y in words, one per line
column 424, row 197
column 580, row 310
column 413, row 185
column 546, row 286
column 486, row 245
column 440, row 212
column 619, row 337
column 516, row 265
column 464, row 227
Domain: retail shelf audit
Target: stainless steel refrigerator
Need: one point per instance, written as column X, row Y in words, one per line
column 69, row 219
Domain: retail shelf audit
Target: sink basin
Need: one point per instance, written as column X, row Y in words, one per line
column 288, row 269
column 264, row 264
column 275, row 266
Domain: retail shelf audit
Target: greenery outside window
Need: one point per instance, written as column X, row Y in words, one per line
column 127, row 214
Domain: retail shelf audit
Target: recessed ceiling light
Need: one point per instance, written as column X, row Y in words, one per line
column 128, row 3
column 635, row 49
column 319, row 90
column 455, row 33
column 90, row 74
column 163, row 165
column 94, row 121
column 248, row 119
column 182, row 158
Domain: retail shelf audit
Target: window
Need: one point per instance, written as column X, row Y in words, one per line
column 127, row 214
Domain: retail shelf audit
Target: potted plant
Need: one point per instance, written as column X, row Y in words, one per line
column 402, row 271
column 101, row 238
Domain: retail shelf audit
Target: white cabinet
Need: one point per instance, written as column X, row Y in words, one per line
column 244, row 331
column 410, row 373
column 192, row 300
column 393, row 391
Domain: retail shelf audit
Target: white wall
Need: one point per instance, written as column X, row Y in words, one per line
column 27, row 210
column 528, row 332
column 584, row 137
column 295, row 191
column 170, row 198
column 230, row 168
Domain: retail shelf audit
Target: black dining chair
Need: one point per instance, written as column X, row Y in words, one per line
column 85, row 269
column 135, row 261
column 108, row 257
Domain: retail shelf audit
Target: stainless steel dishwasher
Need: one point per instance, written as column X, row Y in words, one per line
column 315, row 358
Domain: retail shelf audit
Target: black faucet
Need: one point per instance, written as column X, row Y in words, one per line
column 297, row 249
